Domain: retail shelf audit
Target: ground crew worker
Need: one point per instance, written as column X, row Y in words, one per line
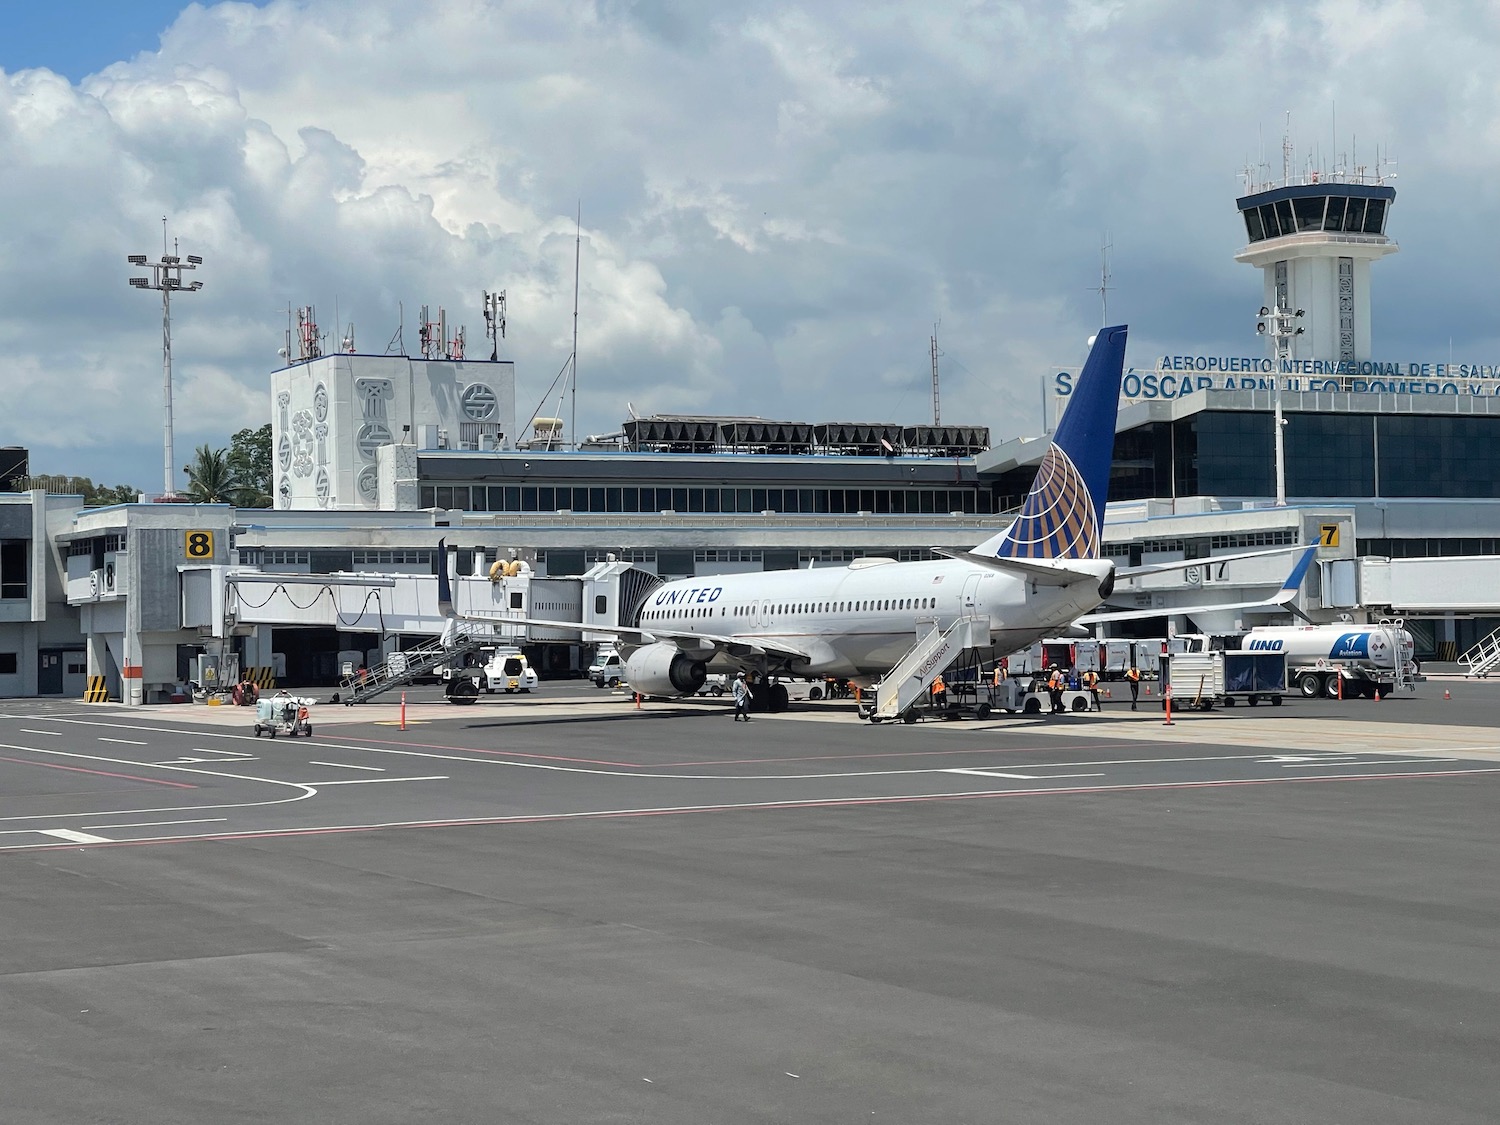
column 939, row 693
column 999, row 677
column 1133, row 674
column 1091, row 685
column 1056, row 682
column 741, row 698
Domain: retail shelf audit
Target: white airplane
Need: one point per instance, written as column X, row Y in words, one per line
column 1033, row 580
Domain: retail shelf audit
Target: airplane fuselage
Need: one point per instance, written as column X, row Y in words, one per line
column 858, row 621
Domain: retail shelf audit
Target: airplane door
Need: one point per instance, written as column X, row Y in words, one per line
column 970, row 594
column 763, row 612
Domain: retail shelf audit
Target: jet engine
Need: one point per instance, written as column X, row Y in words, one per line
column 663, row 669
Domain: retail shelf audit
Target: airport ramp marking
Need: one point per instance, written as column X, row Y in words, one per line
column 74, row 837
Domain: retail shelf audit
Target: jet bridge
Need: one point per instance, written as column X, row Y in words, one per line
column 501, row 606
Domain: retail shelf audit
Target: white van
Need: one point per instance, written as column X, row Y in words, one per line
column 509, row 671
column 606, row 670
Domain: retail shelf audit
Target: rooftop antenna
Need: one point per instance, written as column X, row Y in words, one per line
column 494, row 321
column 397, row 345
column 1286, row 152
column 577, row 251
column 937, row 412
column 1104, row 280
column 166, row 276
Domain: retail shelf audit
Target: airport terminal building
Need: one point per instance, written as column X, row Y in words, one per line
column 1391, row 468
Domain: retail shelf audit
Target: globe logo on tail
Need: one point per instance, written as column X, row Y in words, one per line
column 1058, row 520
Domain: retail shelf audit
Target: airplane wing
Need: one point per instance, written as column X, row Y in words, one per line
column 1044, row 572
column 705, row 643
column 1287, row 592
column 1123, row 573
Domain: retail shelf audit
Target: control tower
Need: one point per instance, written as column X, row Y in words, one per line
column 1314, row 242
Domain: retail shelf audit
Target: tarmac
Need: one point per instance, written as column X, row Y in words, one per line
column 565, row 908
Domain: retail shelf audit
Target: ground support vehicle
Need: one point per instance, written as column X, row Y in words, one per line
column 283, row 714
column 1342, row 660
column 607, row 670
column 1039, row 702
column 509, row 671
column 1199, row 680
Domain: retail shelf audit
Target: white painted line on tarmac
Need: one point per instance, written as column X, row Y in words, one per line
column 126, row 741
column 373, row 781
column 53, row 733
column 155, row 823
column 1021, row 776
column 347, row 766
column 73, row 837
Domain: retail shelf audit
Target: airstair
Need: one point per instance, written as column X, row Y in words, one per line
column 1483, row 658
column 404, row 667
column 933, row 654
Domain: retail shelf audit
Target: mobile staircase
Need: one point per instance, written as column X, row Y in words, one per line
column 404, row 667
column 1483, row 658
column 934, row 653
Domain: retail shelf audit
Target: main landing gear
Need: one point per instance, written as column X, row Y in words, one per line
column 768, row 696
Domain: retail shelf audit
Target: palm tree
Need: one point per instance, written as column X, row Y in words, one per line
column 212, row 478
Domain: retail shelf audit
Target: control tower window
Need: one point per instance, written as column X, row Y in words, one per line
column 1354, row 218
column 1334, row 220
column 1268, row 220
column 1284, row 216
column 1375, row 217
column 1310, row 212
column 1253, row 226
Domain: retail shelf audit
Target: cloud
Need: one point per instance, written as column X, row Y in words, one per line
column 778, row 200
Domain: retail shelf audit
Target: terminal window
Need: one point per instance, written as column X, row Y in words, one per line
column 8, row 664
column 14, row 569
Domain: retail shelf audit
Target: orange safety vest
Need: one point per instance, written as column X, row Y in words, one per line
column 1090, row 678
column 1056, row 681
column 1133, row 675
column 938, row 685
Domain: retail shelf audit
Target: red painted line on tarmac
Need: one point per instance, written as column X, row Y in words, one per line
column 768, row 806
column 100, row 773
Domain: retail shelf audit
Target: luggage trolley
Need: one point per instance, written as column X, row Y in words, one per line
column 283, row 714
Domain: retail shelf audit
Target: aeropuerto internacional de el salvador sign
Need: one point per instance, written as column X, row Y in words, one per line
column 1176, row 376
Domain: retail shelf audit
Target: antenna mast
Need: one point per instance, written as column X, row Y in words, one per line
column 937, row 411
column 1104, row 279
column 577, row 250
column 494, row 321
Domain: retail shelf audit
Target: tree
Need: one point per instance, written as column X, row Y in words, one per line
column 212, row 478
column 250, row 458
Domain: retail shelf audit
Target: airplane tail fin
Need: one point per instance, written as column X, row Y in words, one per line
column 1063, row 514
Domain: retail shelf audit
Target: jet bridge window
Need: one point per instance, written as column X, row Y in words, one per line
column 515, row 599
column 601, row 603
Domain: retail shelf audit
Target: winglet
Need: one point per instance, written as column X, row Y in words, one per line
column 1295, row 579
column 445, row 588
column 1063, row 514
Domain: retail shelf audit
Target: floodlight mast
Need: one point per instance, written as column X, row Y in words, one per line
column 1281, row 325
column 166, row 276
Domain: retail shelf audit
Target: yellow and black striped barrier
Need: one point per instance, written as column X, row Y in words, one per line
column 263, row 678
column 96, row 692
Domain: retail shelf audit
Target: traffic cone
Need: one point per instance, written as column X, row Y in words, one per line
column 1377, row 695
column 1446, row 695
column 1148, row 689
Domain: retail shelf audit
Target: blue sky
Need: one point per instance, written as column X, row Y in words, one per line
column 75, row 38
column 779, row 199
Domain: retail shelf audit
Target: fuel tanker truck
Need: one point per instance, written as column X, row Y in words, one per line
column 1343, row 659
